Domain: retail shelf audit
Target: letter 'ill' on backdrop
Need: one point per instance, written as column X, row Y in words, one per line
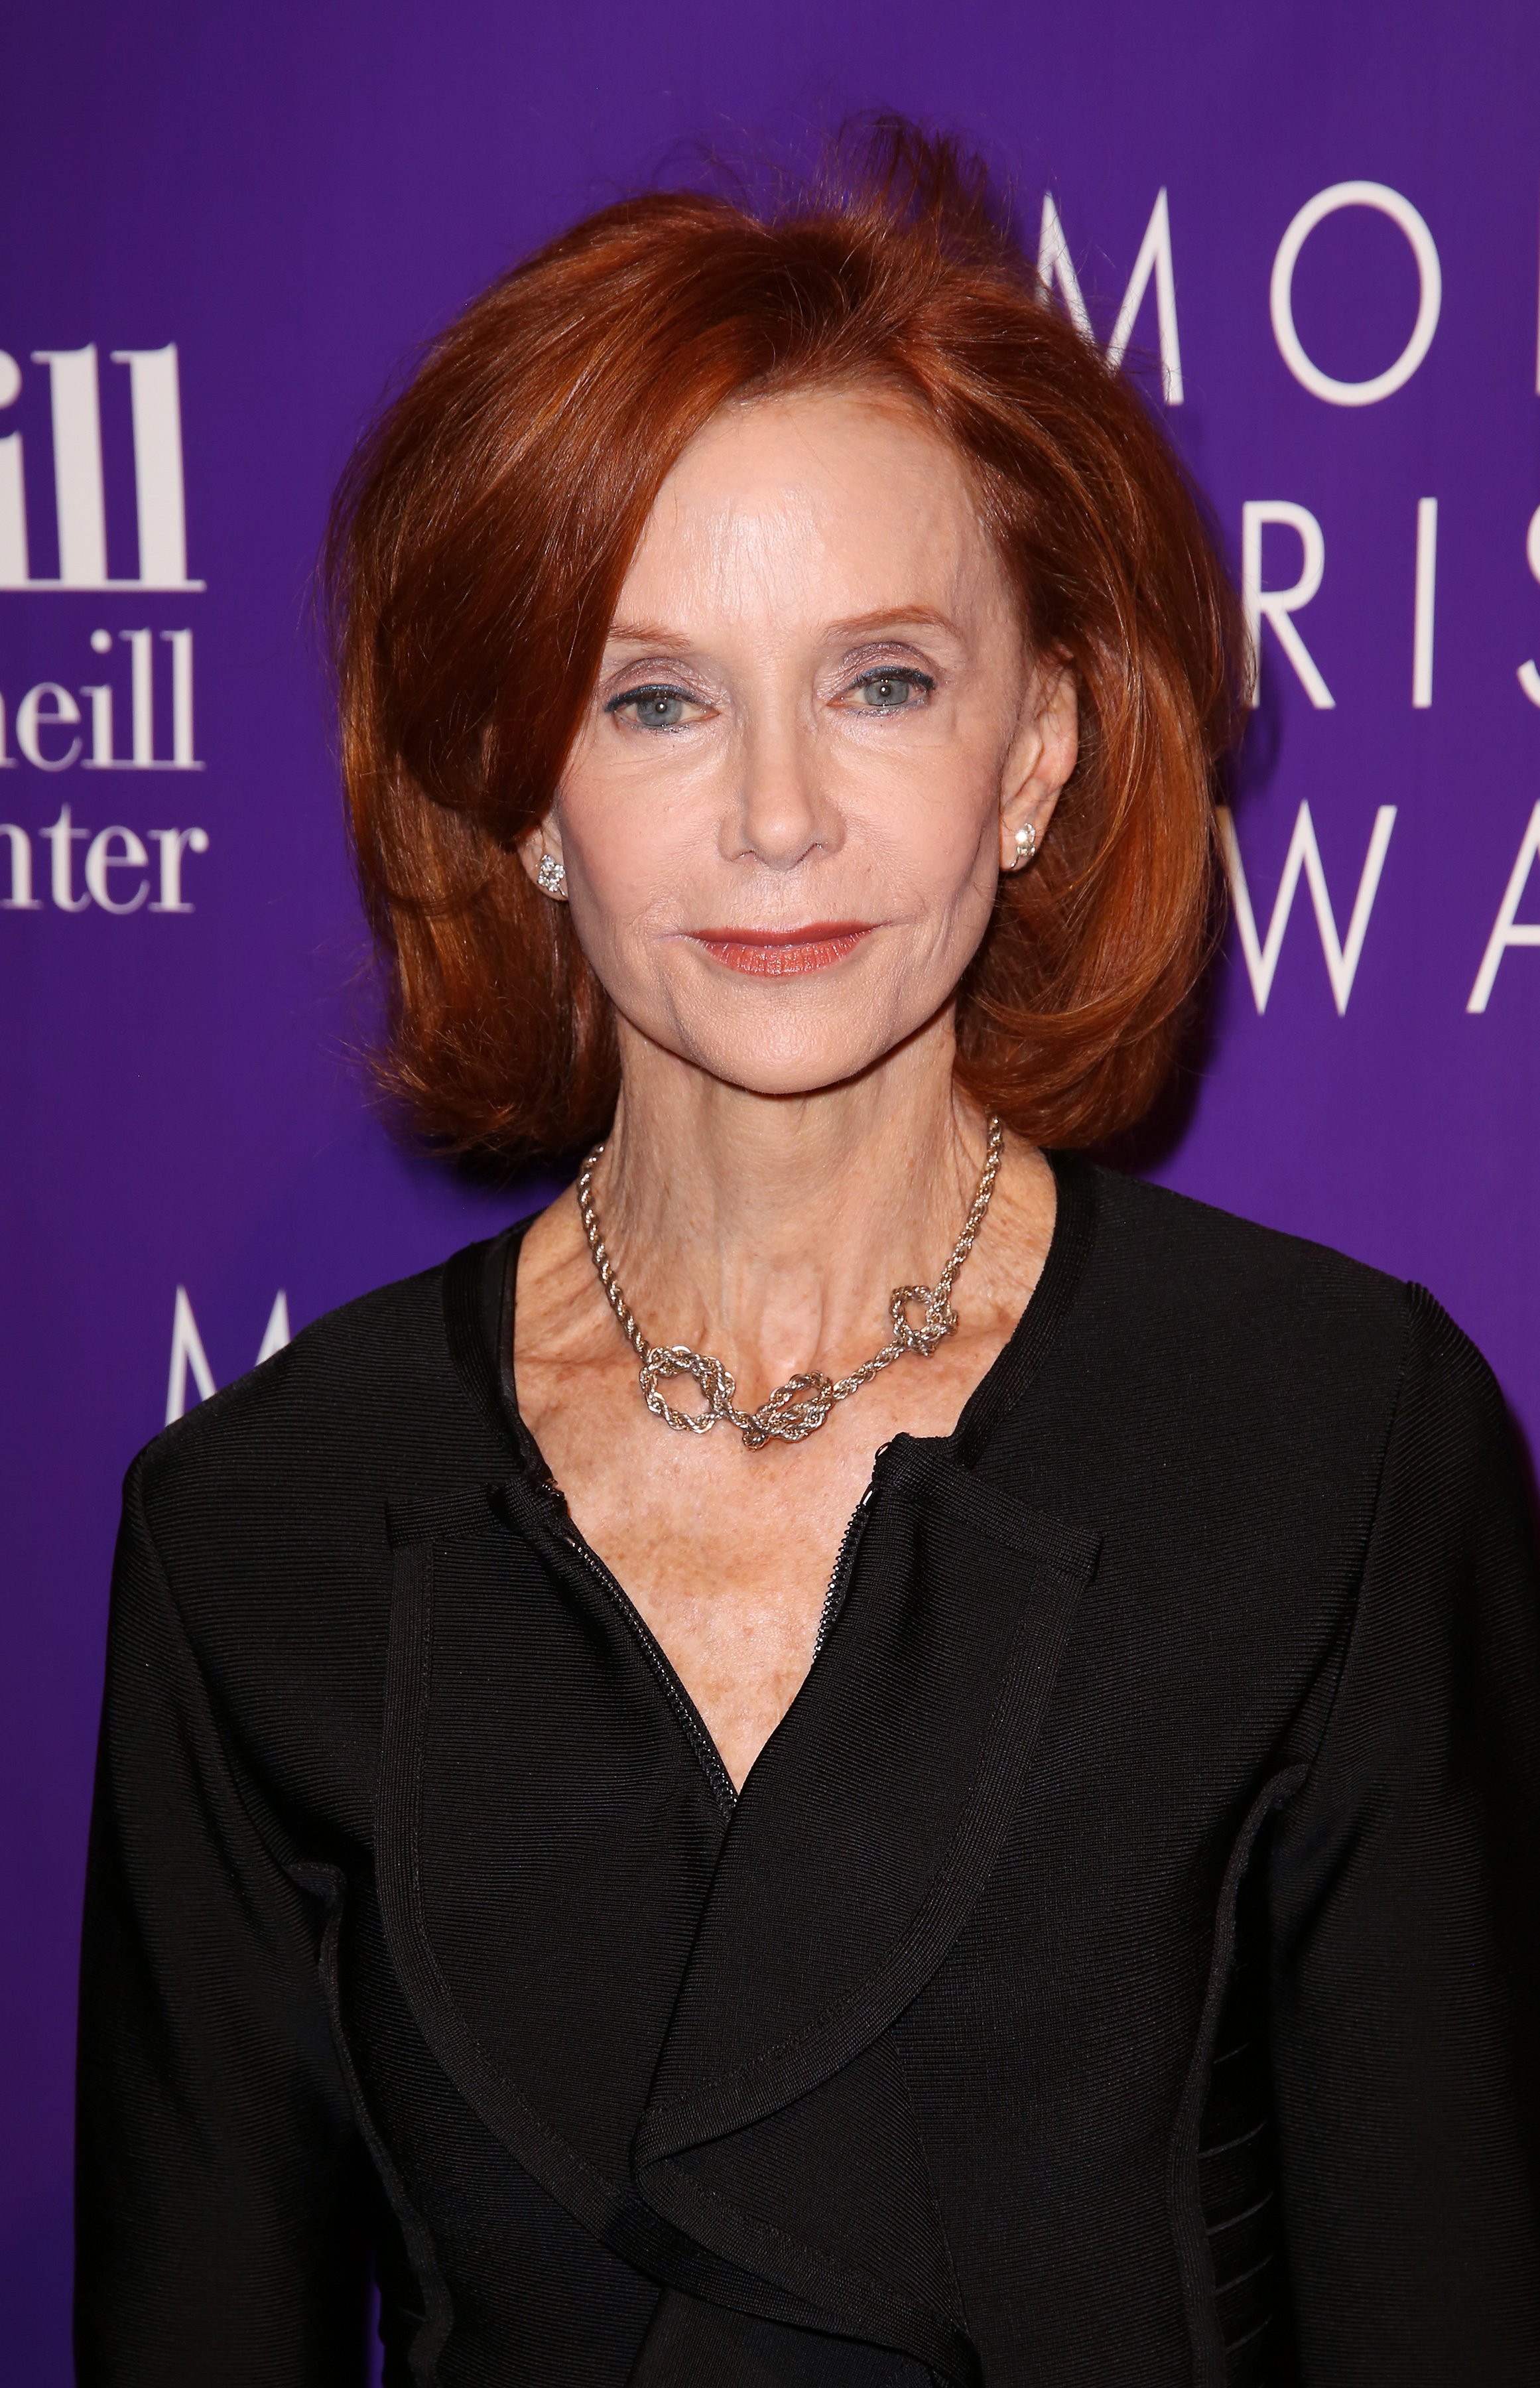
column 1313, row 233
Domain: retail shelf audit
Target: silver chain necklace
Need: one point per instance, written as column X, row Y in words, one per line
column 799, row 1407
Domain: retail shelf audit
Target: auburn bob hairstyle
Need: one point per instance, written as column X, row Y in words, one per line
column 484, row 526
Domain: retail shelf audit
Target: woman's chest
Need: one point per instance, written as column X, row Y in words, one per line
column 727, row 1552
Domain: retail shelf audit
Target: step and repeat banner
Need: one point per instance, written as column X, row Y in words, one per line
column 1314, row 233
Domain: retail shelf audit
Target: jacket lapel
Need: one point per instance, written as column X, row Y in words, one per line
column 779, row 2132
column 867, row 1825
column 545, row 1842
column 677, row 2017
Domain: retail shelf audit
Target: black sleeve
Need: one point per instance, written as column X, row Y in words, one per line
column 1405, row 1893
column 220, row 2241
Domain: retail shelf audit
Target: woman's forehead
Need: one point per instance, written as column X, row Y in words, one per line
column 847, row 495
column 854, row 436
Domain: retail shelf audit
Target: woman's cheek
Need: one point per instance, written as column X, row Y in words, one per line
column 936, row 840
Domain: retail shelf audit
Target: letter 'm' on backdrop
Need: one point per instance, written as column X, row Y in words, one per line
column 1317, row 243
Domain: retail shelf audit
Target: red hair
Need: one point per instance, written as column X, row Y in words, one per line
column 491, row 514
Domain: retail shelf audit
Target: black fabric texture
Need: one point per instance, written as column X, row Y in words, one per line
column 1121, row 1967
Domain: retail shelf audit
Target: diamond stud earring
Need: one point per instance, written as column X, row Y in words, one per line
column 552, row 878
column 1026, row 846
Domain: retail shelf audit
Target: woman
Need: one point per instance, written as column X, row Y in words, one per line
column 811, row 1867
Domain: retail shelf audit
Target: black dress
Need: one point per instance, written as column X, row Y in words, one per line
column 1120, row 1968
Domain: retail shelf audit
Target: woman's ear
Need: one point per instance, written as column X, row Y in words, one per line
column 1043, row 756
column 540, row 844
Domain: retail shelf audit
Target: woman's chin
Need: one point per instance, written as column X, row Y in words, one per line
column 783, row 1047
column 760, row 1066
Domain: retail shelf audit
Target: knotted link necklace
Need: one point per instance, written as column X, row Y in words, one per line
column 799, row 1407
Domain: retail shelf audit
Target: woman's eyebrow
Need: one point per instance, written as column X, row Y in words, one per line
column 896, row 617
column 854, row 626
column 647, row 634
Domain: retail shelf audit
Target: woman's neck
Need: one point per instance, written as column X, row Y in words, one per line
column 770, row 1229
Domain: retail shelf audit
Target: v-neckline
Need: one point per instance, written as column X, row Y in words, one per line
column 490, row 1370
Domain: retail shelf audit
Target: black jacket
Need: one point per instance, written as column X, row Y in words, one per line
column 1120, row 1968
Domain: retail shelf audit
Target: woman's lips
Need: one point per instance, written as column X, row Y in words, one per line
column 783, row 953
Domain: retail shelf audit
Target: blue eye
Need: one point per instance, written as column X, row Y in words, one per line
column 653, row 708
column 892, row 690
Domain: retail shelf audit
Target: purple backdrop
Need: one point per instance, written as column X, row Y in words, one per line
column 292, row 198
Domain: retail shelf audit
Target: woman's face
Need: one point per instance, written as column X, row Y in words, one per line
column 815, row 732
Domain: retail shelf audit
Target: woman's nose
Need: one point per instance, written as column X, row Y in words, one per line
column 781, row 811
